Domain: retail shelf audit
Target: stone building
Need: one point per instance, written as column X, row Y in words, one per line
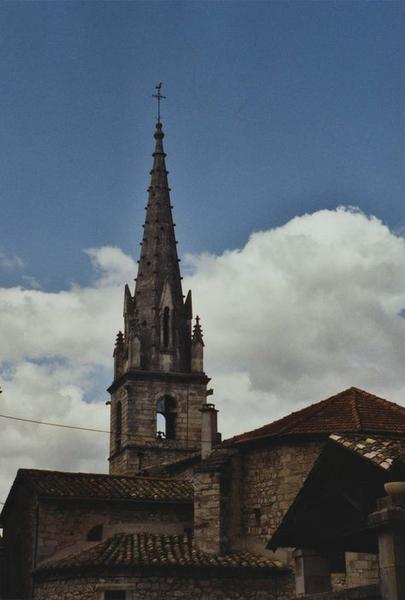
column 181, row 513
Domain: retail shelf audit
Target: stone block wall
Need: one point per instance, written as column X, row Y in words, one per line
column 170, row 587
column 63, row 525
column 210, row 507
column 370, row 592
column 361, row 569
column 139, row 446
column 272, row 477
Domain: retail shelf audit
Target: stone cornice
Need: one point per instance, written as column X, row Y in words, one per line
column 139, row 375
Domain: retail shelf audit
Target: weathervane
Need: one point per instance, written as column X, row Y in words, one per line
column 159, row 97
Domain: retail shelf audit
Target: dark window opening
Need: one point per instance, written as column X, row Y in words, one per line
column 166, row 326
column 173, row 327
column 115, row 595
column 118, row 426
column 95, row 534
column 258, row 516
column 166, row 418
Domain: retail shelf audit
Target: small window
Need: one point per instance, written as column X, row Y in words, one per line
column 115, row 595
column 258, row 516
column 95, row 534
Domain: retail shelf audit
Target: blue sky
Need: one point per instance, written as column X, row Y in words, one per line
column 274, row 109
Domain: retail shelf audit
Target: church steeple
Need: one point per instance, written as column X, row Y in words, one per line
column 164, row 327
column 159, row 383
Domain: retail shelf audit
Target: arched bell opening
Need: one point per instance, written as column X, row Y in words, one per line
column 166, row 418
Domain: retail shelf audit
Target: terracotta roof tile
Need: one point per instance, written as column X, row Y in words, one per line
column 57, row 484
column 132, row 550
column 381, row 450
column 352, row 410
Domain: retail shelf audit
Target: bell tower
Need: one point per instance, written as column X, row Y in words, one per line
column 159, row 385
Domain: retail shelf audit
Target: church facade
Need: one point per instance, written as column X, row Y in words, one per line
column 181, row 513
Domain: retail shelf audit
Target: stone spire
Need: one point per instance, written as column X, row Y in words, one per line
column 164, row 320
column 159, row 380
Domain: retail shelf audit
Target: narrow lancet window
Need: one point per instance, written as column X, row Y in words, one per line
column 166, row 326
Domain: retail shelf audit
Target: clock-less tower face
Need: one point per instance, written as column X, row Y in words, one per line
column 159, row 383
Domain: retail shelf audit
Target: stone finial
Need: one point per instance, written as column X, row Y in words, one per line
column 197, row 348
column 197, row 332
column 118, row 354
column 119, row 343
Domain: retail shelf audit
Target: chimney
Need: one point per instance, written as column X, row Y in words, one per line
column 209, row 429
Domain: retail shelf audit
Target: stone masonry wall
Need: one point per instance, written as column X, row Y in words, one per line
column 272, row 477
column 370, row 592
column 64, row 524
column 209, row 514
column 362, row 569
column 176, row 586
column 140, row 447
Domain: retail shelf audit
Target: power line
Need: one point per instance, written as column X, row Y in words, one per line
column 54, row 424
column 127, row 436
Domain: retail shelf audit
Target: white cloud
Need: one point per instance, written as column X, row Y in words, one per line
column 298, row 313
column 301, row 312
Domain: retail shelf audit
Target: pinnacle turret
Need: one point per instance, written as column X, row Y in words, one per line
column 197, row 332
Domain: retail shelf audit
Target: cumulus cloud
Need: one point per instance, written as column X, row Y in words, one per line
column 299, row 313
column 56, row 361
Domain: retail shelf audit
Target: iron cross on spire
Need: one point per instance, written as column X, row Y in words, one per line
column 159, row 97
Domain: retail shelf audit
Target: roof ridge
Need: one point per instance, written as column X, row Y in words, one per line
column 302, row 412
column 350, row 410
column 355, row 409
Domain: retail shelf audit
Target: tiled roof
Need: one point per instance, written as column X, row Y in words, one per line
column 57, row 484
column 378, row 449
column 134, row 550
column 350, row 411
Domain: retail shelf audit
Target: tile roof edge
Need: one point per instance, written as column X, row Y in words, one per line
column 335, row 439
column 316, row 407
column 107, row 475
column 298, row 413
